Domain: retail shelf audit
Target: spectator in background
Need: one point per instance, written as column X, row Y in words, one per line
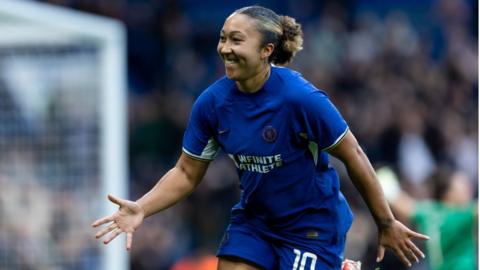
column 449, row 218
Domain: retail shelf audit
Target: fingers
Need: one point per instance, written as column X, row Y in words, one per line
column 402, row 257
column 415, row 249
column 380, row 253
column 129, row 241
column 101, row 221
column 409, row 252
column 413, row 256
column 106, row 230
column 399, row 239
column 116, row 232
column 418, row 235
column 115, row 200
column 110, row 218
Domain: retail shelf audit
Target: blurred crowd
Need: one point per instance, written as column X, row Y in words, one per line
column 404, row 75
column 49, row 159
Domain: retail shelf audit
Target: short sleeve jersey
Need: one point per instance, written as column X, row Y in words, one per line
column 277, row 139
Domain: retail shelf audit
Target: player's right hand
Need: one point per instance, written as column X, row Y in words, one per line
column 127, row 219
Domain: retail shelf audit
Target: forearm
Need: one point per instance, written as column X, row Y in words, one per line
column 171, row 188
column 392, row 233
column 363, row 176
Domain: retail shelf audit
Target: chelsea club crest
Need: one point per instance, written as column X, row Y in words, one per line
column 269, row 134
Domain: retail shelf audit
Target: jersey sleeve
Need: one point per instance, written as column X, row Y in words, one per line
column 323, row 123
column 198, row 139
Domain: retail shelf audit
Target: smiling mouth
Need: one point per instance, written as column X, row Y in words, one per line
column 230, row 60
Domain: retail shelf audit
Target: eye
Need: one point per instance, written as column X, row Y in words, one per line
column 223, row 38
column 237, row 40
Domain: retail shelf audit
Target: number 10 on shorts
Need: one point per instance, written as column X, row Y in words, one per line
column 301, row 259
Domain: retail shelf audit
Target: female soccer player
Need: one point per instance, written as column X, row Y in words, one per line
column 277, row 128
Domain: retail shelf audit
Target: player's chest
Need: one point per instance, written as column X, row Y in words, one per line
column 256, row 129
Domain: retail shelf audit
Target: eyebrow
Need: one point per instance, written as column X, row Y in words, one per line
column 232, row 33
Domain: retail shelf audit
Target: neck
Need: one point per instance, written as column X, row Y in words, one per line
column 255, row 83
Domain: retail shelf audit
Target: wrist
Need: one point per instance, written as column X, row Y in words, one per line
column 384, row 223
column 142, row 208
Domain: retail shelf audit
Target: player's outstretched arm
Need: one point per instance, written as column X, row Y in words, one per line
column 391, row 233
column 176, row 184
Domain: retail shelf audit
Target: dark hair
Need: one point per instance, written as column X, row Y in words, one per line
column 440, row 181
column 283, row 31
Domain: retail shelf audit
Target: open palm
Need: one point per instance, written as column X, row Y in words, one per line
column 127, row 219
column 399, row 239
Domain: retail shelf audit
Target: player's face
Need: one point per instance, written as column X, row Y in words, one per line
column 239, row 48
column 459, row 192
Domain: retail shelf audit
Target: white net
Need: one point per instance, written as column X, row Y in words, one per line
column 62, row 136
column 49, row 166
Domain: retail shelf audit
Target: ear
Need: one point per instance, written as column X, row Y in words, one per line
column 266, row 51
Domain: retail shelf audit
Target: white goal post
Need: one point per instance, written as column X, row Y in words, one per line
column 56, row 59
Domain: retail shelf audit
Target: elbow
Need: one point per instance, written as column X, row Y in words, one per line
column 358, row 151
column 187, row 174
column 355, row 156
column 358, row 165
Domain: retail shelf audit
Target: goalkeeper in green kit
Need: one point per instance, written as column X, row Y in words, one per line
column 450, row 218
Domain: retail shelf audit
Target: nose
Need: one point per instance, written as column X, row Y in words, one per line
column 224, row 48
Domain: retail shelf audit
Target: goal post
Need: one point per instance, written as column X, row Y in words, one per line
column 63, row 133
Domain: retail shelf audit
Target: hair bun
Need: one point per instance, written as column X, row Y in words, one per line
column 291, row 40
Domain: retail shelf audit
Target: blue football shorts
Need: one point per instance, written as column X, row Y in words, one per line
column 309, row 250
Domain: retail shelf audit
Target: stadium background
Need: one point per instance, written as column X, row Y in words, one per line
column 403, row 73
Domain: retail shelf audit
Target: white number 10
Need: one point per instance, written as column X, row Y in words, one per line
column 302, row 259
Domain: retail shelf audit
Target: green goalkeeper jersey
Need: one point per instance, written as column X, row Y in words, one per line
column 452, row 232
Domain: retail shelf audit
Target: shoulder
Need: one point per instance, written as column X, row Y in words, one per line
column 296, row 87
column 289, row 77
column 216, row 92
column 298, row 91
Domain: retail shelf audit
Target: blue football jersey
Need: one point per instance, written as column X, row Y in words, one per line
column 277, row 139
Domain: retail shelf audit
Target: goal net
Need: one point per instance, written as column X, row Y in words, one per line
column 62, row 136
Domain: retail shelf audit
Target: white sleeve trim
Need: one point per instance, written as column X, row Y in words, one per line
column 337, row 141
column 190, row 154
column 209, row 153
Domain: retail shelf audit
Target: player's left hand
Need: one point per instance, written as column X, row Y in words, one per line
column 398, row 238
